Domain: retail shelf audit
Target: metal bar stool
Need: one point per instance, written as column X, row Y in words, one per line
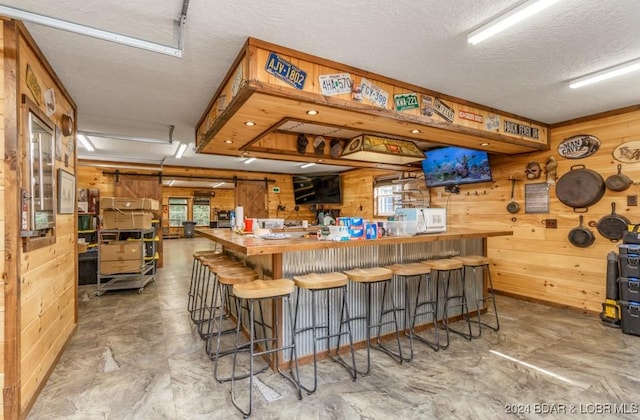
column 226, row 278
column 368, row 277
column 449, row 271
column 208, row 300
column 198, row 276
column 425, row 302
column 473, row 262
column 325, row 283
column 256, row 292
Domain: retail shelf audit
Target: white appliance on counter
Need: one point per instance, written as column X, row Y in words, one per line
column 428, row 220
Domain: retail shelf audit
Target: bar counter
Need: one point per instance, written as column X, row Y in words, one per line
column 249, row 245
column 286, row 258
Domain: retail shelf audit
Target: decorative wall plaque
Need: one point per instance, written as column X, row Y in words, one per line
column 536, row 198
column 578, row 146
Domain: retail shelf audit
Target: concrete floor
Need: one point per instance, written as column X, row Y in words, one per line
column 138, row 356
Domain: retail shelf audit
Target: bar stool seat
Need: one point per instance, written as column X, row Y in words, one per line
column 368, row 277
column 255, row 292
column 478, row 261
column 448, row 271
column 325, row 283
column 422, row 305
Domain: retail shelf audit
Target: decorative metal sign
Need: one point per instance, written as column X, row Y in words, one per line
column 579, row 146
column 335, row 84
column 511, row 127
column 427, row 106
column 536, row 198
column 492, row 122
column 34, row 86
column 444, row 110
column 470, row 116
column 375, row 94
column 405, row 101
column 285, row 71
column 628, row 152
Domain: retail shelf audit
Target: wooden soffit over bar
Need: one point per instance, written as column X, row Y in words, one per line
column 256, row 89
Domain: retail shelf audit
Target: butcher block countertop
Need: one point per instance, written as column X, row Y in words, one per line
column 248, row 245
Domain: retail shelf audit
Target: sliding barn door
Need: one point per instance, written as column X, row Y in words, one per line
column 252, row 195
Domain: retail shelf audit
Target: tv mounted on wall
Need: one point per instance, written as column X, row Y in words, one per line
column 317, row 189
column 452, row 166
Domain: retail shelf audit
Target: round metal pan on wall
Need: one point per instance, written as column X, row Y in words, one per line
column 619, row 181
column 613, row 226
column 580, row 236
column 580, row 188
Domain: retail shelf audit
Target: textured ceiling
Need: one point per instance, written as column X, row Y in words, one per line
column 525, row 70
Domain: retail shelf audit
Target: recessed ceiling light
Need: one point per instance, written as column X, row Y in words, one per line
column 312, row 112
column 249, row 123
column 251, row 159
column 228, row 141
column 320, row 160
column 484, row 144
column 307, row 165
column 415, row 131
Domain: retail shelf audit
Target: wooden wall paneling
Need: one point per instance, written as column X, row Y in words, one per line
column 142, row 187
column 47, row 342
column 12, row 242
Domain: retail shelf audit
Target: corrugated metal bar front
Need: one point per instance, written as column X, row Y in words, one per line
column 341, row 259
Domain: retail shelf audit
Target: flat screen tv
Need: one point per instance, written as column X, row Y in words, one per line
column 448, row 166
column 317, row 189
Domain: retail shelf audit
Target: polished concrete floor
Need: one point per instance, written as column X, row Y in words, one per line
column 138, row 356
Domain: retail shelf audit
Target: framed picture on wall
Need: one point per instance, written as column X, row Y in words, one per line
column 66, row 192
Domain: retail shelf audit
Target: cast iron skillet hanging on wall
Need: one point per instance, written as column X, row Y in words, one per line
column 580, row 236
column 613, row 226
column 513, row 207
column 580, row 188
column 619, row 181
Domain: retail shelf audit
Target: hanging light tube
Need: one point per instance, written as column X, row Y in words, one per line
column 181, row 149
column 508, row 19
column 86, row 143
column 615, row 71
column 97, row 33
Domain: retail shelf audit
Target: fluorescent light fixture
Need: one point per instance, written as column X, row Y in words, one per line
column 124, row 137
column 508, row 19
column 97, row 33
column 181, row 150
column 251, row 159
column 307, row 165
column 218, row 184
column 86, row 143
column 619, row 70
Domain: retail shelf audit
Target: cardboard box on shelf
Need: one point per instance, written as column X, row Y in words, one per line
column 121, row 251
column 127, row 203
column 119, row 267
column 116, row 219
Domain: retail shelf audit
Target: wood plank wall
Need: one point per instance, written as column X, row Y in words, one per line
column 47, row 287
column 357, row 186
column 538, row 262
column 3, row 206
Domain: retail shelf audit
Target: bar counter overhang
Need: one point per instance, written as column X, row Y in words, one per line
column 285, row 258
